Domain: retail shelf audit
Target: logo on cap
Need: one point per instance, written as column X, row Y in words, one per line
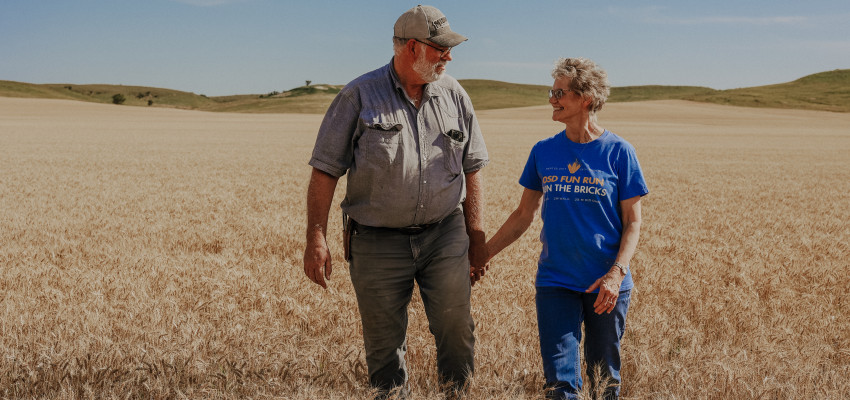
column 438, row 24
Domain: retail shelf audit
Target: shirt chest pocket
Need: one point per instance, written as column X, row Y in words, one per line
column 381, row 144
column 452, row 139
column 453, row 145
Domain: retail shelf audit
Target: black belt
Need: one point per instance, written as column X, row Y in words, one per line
column 407, row 230
column 414, row 229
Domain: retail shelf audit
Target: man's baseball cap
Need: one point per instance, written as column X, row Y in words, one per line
column 426, row 22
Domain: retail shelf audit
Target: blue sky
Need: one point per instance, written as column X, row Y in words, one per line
column 222, row 47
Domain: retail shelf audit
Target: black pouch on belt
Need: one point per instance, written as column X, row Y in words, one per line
column 346, row 236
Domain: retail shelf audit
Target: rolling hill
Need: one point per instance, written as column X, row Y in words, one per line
column 826, row 91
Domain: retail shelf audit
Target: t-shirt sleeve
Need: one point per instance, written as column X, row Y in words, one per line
column 632, row 182
column 530, row 177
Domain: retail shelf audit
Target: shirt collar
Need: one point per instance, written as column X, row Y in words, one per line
column 393, row 74
column 428, row 90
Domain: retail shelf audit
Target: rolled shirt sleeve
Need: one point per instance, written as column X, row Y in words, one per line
column 333, row 153
column 476, row 156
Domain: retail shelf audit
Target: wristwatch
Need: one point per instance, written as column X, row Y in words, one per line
column 624, row 268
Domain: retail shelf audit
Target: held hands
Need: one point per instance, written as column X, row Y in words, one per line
column 475, row 274
column 609, row 290
column 479, row 258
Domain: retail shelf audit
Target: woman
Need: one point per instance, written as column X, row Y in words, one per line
column 590, row 184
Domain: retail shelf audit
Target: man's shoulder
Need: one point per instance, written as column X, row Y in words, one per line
column 449, row 83
column 371, row 78
column 366, row 85
column 449, row 88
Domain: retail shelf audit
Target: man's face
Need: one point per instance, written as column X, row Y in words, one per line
column 429, row 65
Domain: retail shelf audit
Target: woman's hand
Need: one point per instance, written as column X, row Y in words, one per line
column 609, row 290
column 609, row 285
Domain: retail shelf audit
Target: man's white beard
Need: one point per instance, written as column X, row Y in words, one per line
column 428, row 72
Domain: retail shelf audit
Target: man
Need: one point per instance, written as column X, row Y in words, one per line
column 407, row 136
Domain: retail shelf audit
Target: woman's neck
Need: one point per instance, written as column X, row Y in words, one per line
column 584, row 133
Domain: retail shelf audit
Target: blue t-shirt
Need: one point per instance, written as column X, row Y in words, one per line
column 582, row 185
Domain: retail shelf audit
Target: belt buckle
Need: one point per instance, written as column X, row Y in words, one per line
column 413, row 230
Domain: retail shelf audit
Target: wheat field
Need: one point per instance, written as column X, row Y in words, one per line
column 156, row 254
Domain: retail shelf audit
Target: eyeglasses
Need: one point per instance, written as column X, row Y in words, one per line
column 558, row 93
column 443, row 52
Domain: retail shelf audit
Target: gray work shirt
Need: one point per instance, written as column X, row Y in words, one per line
column 405, row 165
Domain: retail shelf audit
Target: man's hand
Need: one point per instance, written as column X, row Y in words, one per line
column 317, row 257
column 475, row 274
column 479, row 257
column 473, row 214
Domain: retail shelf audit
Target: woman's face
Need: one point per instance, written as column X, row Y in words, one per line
column 570, row 105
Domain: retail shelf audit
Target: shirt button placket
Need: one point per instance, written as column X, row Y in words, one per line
column 423, row 156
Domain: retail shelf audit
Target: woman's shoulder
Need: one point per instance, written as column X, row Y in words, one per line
column 612, row 139
column 549, row 140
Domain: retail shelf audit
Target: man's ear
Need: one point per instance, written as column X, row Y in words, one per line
column 411, row 46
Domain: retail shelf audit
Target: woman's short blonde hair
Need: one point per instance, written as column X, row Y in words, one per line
column 586, row 79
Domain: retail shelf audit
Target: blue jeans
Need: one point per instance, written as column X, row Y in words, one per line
column 560, row 314
column 384, row 266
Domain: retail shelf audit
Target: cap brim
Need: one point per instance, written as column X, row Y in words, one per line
column 449, row 39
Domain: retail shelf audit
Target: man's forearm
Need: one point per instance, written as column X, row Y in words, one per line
column 320, row 193
column 473, row 206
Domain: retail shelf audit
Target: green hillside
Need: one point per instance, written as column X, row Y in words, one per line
column 487, row 95
column 133, row 95
column 656, row 92
column 490, row 95
column 826, row 91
